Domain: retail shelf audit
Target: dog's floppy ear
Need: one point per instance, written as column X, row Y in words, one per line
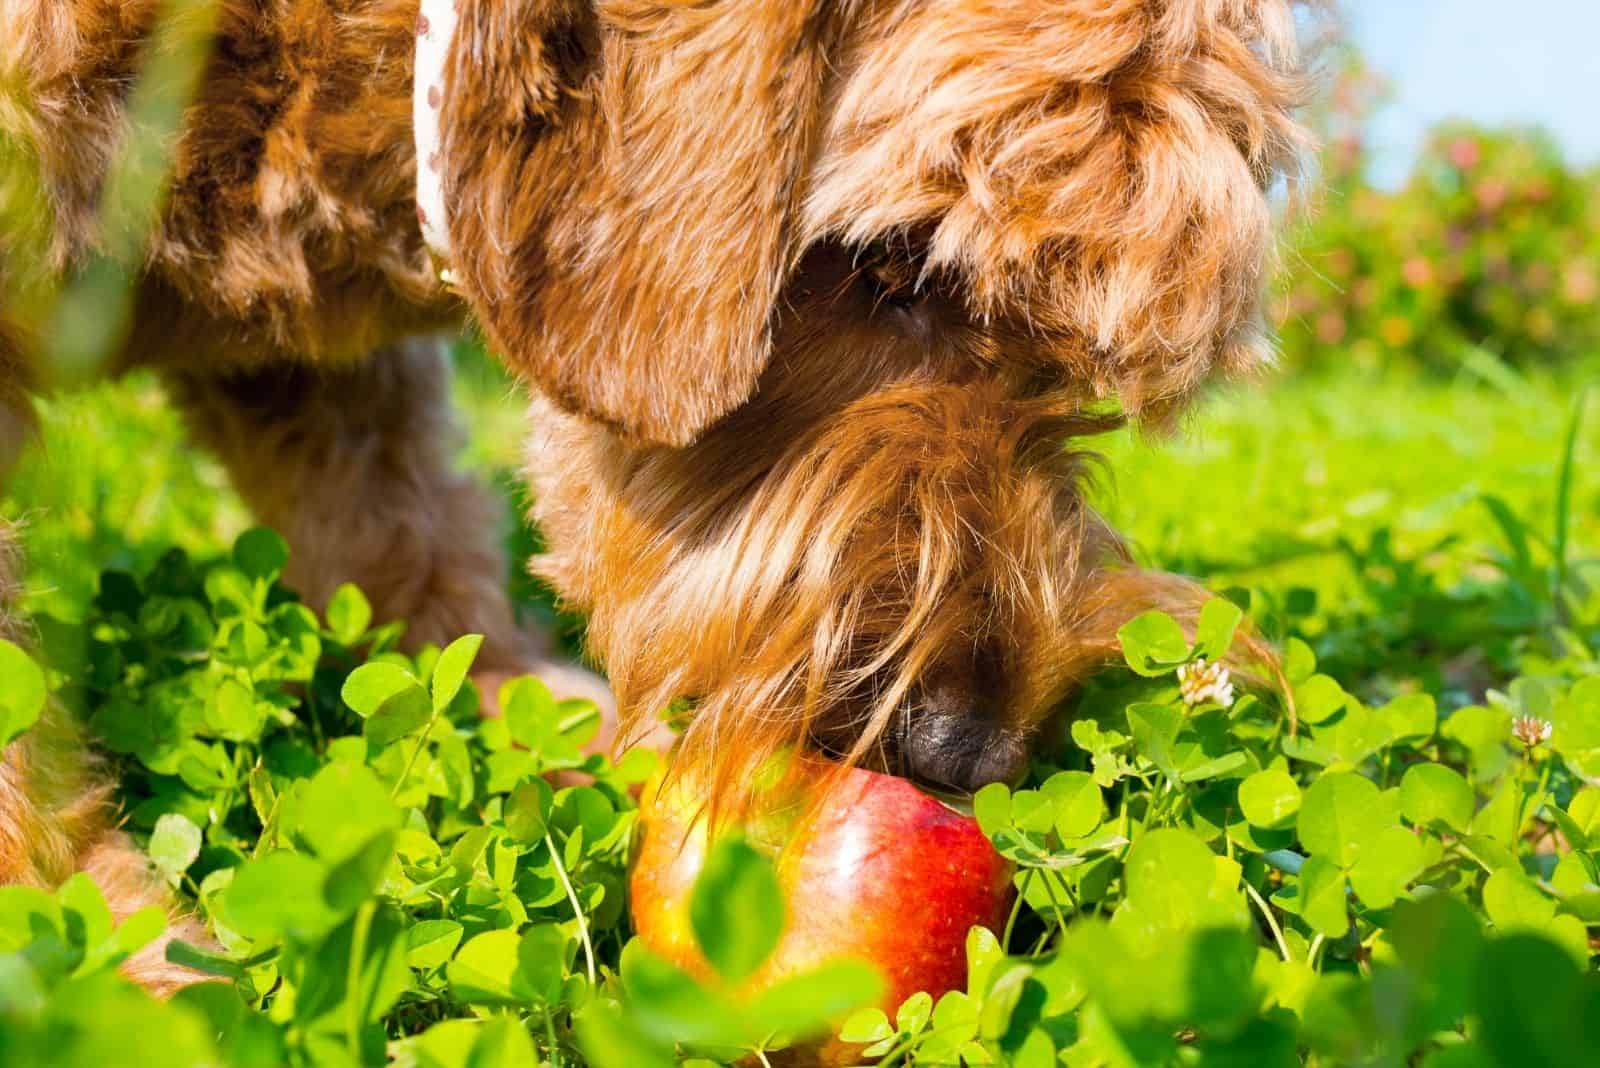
column 621, row 182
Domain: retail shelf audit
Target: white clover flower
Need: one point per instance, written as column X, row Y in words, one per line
column 1531, row 730
column 1200, row 682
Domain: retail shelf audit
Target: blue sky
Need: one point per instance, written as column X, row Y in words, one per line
column 1494, row 61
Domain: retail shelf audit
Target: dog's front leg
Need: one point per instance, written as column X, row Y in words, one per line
column 355, row 466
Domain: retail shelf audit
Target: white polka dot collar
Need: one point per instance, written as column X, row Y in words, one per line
column 436, row 24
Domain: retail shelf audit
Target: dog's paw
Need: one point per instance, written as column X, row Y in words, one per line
column 129, row 883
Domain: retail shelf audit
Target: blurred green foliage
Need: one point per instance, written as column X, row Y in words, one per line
column 1489, row 251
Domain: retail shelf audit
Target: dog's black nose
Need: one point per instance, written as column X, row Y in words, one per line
column 949, row 750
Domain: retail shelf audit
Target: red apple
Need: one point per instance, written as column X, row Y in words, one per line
column 871, row 868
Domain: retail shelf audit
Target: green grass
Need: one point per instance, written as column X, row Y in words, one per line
column 1276, row 487
column 1395, row 877
column 1263, row 481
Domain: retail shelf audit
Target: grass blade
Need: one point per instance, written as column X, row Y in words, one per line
column 1564, row 507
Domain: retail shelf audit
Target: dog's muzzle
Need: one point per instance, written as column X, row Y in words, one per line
column 960, row 751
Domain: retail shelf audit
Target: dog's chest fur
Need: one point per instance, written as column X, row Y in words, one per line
column 291, row 225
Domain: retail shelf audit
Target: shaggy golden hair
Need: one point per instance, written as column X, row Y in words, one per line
column 814, row 295
column 814, row 299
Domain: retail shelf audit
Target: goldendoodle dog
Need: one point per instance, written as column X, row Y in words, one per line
column 812, row 296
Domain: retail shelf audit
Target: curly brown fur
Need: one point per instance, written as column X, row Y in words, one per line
column 280, row 294
column 289, row 229
column 812, row 318
column 814, row 298
column 1095, row 169
column 1098, row 173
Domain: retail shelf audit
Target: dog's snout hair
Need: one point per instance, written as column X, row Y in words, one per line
column 888, row 539
column 802, row 595
column 821, row 299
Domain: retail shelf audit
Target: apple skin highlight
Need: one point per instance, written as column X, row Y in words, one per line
column 871, row 869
